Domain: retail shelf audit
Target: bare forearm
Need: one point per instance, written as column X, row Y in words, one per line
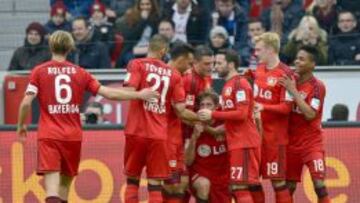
column 23, row 113
column 190, row 152
column 306, row 109
column 118, row 94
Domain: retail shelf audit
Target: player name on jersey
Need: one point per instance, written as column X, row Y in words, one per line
column 61, row 70
column 63, row 109
column 158, row 70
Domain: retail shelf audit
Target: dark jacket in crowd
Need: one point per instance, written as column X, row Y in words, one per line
column 197, row 27
column 28, row 56
column 246, row 51
column 343, row 48
column 106, row 34
column 91, row 55
column 329, row 22
column 50, row 27
column 292, row 16
column 238, row 28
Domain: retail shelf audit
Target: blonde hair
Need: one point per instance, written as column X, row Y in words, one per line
column 307, row 21
column 61, row 42
column 270, row 39
column 158, row 42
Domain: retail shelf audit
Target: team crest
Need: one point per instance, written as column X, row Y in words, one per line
column 303, row 94
column 190, row 100
column 228, row 91
column 204, row 150
column 240, row 96
column 271, row 81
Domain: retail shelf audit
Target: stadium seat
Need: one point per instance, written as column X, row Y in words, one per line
column 119, row 42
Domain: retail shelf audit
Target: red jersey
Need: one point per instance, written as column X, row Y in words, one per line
column 194, row 84
column 211, row 157
column 304, row 134
column 276, row 101
column 149, row 119
column 60, row 87
column 237, row 104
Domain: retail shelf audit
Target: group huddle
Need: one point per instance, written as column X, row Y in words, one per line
column 266, row 124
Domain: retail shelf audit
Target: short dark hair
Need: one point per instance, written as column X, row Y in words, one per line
column 256, row 20
column 231, row 56
column 96, row 105
column 345, row 12
column 311, row 51
column 208, row 94
column 339, row 112
column 166, row 20
column 82, row 18
column 201, row 51
column 180, row 49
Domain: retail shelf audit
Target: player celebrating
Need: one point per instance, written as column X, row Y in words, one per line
column 208, row 159
column 242, row 137
column 274, row 104
column 181, row 58
column 59, row 86
column 305, row 133
column 146, row 130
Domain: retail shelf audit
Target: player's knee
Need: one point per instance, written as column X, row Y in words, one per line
column 239, row 187
column 65, row 181
column 292, row 186
column 278, row 183
column 318, row 183
column 202, row 186
column 154, row 182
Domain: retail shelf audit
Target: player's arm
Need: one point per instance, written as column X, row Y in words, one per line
column 126, row 94
column 218, row 132
column 306, row 109
column 24, row 110
column 185, row 114
column 191, row 147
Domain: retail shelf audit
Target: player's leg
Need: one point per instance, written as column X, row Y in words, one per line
column 294, row 166
column 257, row 193
column 255, row 187
column 202, row 187
column 157, row 168
column 65, row 182
column 316, row 164
column 52, row 183
column 134, row 161
column 219, row 191
column 273, row 165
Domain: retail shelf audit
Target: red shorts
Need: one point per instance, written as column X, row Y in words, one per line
column 145, row 152
column 176, row 162
column 56, row 155
column 219, row 189
column 313, row 160
column 273, row 162
column 244, row 165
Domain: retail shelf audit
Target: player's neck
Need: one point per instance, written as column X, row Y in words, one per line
column 273, row 63
column 197, row 71
column 153, row 55
column 59, row 58
column 305, row 77
column 231, row 74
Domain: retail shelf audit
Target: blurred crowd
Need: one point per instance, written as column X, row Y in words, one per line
column 109, row 33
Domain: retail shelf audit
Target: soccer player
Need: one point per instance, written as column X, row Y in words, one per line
column 59, row 86
column 182, row 56
column 274, row 105
column 306, row 145
column 207, row 158
column 242, row 137
column 146, row 130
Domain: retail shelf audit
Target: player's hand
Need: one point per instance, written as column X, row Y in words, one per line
column 148, row 94
column 198, row 129
column 22, row 133
column 258, row 108
column 288, row 83
column 204, row 114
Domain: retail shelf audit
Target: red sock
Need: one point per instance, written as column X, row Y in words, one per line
column 186, row 197
column 53, row 199
column 155, row 195
column 131, row 191
column 242, row 196
column 257, row 194
column 325, row 199
column 282, row 195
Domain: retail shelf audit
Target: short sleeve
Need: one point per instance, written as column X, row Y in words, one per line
column 33, row 86
column 179, row 91
column 93, row 84
column 243, row 93
column 133, row 75
column 317, row 99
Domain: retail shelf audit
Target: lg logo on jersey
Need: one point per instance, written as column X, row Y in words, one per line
column 205, row 150
column 262, row 93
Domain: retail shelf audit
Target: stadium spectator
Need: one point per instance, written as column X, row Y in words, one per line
column 282, row 17
column 89, row 54
column 137, row 26
column 219, row 39
column 325, row 12
column 103, row 30
column 310, row 34
column 339, row 112
column 94, row 114
column 116, row 8
column 57, row 19
column 350, row 5
column 166, row 28
column 344, row 46
column 233, row 18
column 75, row 8
column 33, row 52
column 191, row 22
column 246, row 49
